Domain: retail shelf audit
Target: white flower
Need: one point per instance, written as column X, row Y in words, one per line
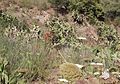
column 105, row 75
column 63, row 80
column 79, row 66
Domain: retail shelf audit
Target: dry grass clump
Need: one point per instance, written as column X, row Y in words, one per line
column 70, row 71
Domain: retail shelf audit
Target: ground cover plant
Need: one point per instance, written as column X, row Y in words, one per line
column 78, row 43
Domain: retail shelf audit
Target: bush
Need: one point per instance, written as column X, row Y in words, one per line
column 90, row 8
column 63, row 33
column 108, row 35
column 111, row 8
column 9, row 21
column 112, row 11
column 60, row 5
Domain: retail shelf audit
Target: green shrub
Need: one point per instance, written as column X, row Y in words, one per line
column 63, row 33
column 111, row 8
column 90, row 8
column 61, row 6
column 9, row 21
column 108, row 35
column 112, row 11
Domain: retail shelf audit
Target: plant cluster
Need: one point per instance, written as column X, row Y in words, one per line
column 90, row 8
column 108, row 35
column 61, row 6
column 111, row 8
column 9, row 21
column 62, row 33
column 26, row 52
column 30, row 56
column 7, row 77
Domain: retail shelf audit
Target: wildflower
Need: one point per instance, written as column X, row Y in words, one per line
column 105, row 75
column 47, row 36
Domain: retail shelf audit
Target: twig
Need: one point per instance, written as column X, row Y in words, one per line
column 62, row 56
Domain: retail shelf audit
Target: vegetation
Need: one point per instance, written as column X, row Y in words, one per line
column 9, row 21
column 90, row 8
column 62, row 48
column 62, row 33
column 70, row 71
column 60, row 5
